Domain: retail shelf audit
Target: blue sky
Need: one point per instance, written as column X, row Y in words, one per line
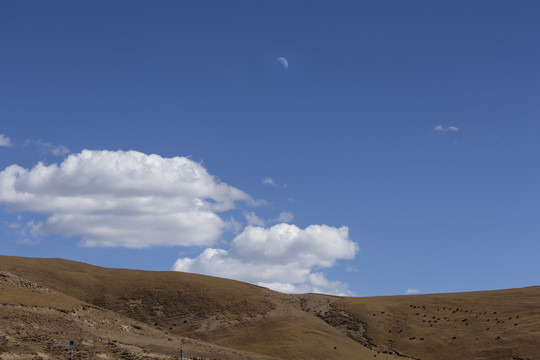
column 397, row 153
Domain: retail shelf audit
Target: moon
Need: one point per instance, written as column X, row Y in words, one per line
column 283, row 62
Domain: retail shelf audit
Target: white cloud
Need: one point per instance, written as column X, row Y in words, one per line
column 317, row 283
column 269, row 181
column 253, row 219
column 5, row 141
column 134, row 200
column 281, row 257
column 233, row 225
column 45, row 147
column 117, row 198
column 412, row 291
column 441, row 129
column 60, row 150
column 284, row 217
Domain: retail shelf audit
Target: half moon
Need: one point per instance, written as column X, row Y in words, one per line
column 283, row 62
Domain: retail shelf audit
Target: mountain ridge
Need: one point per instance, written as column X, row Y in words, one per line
column 230, row 319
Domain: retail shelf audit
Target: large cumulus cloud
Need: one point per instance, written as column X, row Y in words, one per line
column 122, row 198
column 282, row 257
column 134, row 200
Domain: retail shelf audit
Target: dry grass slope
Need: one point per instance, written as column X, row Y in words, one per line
column 128, row 314
column 501, row 324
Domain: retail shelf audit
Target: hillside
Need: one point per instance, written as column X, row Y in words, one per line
column 129, row 314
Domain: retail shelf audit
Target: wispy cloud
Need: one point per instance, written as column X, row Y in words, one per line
column 60, row 150
column 412, row 291
column 5, row 141
column 442, row 129
column 233, row 225
column 271, row 182
column 48, row 148
column 284, row 217
column 253, row 219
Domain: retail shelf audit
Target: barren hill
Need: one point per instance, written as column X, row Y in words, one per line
column 128, row 314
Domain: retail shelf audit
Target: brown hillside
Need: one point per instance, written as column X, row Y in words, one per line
column 162, row 311
column 501, row 324
column 37, row 323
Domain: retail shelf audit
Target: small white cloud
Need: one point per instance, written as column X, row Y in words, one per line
column 281, row 257
column 233, row 225
column 127, row 199
column 412, row 291
column 317, row 284
column 25, row 235
column 253, row 219
column 5, row 141
column 441, row 129
column 60, row 150
column 287, row 288
column 269, row 181
column 12, row 225
column 284, row 217
column 48, row 148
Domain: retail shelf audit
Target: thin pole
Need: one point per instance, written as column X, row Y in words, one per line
column 71, row 345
